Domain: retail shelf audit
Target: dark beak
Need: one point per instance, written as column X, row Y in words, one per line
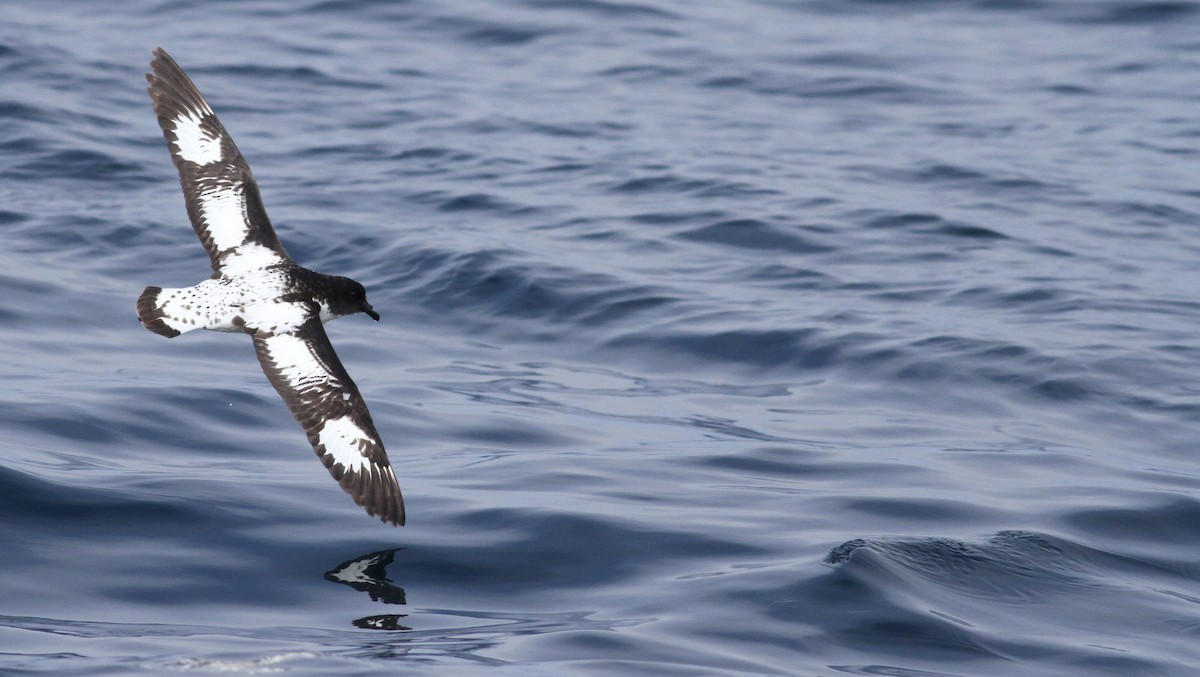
column 366, row 308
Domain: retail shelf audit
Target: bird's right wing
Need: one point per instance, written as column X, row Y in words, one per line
column 222, row 197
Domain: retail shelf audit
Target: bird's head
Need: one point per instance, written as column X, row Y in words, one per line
column 351, row 297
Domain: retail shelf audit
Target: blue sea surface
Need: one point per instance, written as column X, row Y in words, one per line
column 755, row 337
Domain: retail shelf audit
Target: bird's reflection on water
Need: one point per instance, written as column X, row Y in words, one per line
column 368, row 574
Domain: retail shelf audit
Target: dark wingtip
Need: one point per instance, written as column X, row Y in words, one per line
column 161, row 58
column 375, row 492
column 392, row 512
column 160, row 54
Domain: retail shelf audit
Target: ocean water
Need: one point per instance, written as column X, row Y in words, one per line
column 735, row 338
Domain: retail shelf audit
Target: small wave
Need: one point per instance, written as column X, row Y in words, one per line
column 1041, row 301
column 703, row 188
column 754, row 234
column 1125, row 13
column 476, row 202
column 86, row 165
column 434, row 153
column 966, row 178
column 641, row 72
column 502, row 287
column 8, row 218
column 32, row 499
column 488, row 33
column 577, row 130
column 676, row 217
column 14, row 110
column 805, row 348
column 602, row 9
column 472, row 202
column 284, row 76
column 930, row 224
column 857, row 87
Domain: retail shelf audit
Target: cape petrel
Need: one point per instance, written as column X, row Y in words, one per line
column 257, row 289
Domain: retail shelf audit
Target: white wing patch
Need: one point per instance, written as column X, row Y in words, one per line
column 345, row 441
column 296, row 362
column 223, row 208
column 247, row 258
column 194, row 144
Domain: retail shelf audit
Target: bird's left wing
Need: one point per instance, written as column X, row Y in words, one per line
column 298, row 359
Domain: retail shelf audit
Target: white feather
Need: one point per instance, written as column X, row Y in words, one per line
column 248, row 258
column 277, row 318
column 297, row 364
column 192, row 143
column 224, row 212
column 345, row 441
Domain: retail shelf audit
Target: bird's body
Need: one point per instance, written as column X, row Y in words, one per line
column 257, row 289
column 233, row 303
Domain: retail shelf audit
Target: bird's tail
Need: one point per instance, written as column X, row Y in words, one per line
column 152, row 317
